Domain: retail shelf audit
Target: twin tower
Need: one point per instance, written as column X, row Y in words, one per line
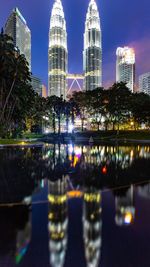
column 58, row 52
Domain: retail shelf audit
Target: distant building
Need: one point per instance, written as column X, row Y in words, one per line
column 57, row 52
column 16, row 27
column 125, row 66
column 92, row 54
column 36, row 84
column 44, row 91
column 144, row 83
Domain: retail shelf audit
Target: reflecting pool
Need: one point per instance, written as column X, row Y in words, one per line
column 75, row 206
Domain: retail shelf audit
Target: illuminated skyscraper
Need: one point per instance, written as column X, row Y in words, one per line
column 16, row 27
column 125, row 66
column 92, row 226
column 144, row 83
column 92, row 54
column 58, row 54
column 57, row 221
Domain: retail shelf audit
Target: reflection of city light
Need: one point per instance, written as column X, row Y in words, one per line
column 21, row 252
column 56, row 236
column 57, row 199
column 23, row 143
column 76, row 159
column 46, row 131
column 131, row 154
column 128, row 218
column 84, row 149
column 104, row 170
column 78, row 151
column 50, row 215
column 70, row 128
column 90, row 197
column 70, row 148
column 75, row 194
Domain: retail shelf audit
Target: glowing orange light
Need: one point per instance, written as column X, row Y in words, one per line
column 104, row 170
column 75, row 194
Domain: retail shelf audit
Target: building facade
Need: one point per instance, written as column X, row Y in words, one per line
column 36, row 85
column 92, row 54
column 144, row 83
column 125, row 66
column 16, row 27
column 57, row 53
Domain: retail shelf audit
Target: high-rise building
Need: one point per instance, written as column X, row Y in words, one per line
column 16, row 27
column 125, row 66
column 57, row 53
column 92, row 54
column 36, row 85
column 144, row 83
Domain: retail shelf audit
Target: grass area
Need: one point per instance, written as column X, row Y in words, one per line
column 32, row 136
column 15, row 142
column 139, row 135
column 101, row 135
column 136, row 135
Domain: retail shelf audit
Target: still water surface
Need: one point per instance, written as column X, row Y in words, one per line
column 75, row 206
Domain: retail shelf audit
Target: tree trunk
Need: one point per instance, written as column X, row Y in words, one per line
column 7, row 99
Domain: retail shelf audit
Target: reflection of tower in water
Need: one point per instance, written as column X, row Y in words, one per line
column 125, row 209
column 15, row 233
column 23, row 239
column 58, row 221
column 92, row 226
column 144, row 190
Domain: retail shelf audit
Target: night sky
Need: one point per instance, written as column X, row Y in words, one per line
column 123, row 23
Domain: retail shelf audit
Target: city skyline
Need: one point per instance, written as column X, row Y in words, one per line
column 123, row 33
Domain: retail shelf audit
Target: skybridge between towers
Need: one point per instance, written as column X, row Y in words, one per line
column 75, row 83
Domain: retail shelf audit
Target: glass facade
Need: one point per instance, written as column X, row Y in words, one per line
column 144, row 83
column 17, row 28
column 58, row 54
column 92, row 54
column 36, row 85
column 125, row 66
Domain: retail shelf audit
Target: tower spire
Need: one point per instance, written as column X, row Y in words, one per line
column 58, row 54
column 92, row 54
